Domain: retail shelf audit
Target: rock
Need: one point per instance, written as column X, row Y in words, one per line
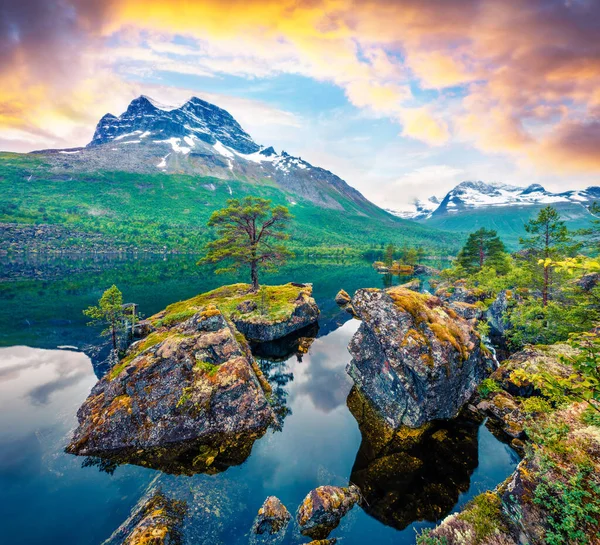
column 589, row 281
column 323, row 509
column 496, row 315
column 247, row 306
column 411, row 474
column 186, row 399
column 142, row 329
column 342, row 298
column 414, row 285
column 426, row 270
column 466, row 310
column 507, row 413
column 331, row 541
column 414, row 358
column 156, row 520
column 459, row 292
column 273, row 517
column 268, row 314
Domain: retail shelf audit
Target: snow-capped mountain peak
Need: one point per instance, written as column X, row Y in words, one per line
column 196, row 118
column 477, row 194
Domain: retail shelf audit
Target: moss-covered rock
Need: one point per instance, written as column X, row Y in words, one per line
column 323, row 509
column 270, row 313
column 156, row 520
column 272, row 519
column 188, row 398
column 414, row 358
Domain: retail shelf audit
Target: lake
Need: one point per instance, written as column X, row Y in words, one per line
column 50, row 359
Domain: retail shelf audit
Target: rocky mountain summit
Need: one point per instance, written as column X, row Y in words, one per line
column 145, row 118
column 414, row 357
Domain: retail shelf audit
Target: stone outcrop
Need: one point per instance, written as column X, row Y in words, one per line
column 270, row 313
column 342, row 298
column 273, row 518
column 186, row 399
column 414, row 358
column 460, row 292
column 414, row 285
column 156, row 520
column 323, row 509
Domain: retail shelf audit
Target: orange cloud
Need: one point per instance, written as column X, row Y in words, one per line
column 529, row 71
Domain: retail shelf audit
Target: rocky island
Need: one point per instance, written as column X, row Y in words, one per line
column 189, row 396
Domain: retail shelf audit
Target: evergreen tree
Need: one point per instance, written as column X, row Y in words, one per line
column 549, row 240
column 249, row 230
column 411, row 256
column 388, row 257
column 483, row 248
column 109, row 312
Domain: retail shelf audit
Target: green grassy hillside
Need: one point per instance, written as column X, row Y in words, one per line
column 508, row 221
column 171, row 210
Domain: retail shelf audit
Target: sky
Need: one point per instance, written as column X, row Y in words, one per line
column 401, row 98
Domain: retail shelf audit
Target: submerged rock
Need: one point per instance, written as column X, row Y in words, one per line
column 414, row 358
column 342, row 298
column 186, row 399
column 273, row 518
column 156, row 520
column 323, row 509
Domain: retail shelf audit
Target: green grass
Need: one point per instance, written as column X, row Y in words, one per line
column 273, row 304
column 171, row 210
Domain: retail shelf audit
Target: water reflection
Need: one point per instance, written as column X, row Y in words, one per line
column 412, row 475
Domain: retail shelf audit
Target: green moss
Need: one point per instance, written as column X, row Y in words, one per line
column 209, row 368
column 488, row 386
column 536, row 405
column 151, row 340
column 484, row 514
column 273, row 304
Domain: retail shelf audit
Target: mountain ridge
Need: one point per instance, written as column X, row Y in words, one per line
column 469, row 195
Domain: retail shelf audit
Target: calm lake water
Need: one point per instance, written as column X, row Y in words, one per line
column 47, row 497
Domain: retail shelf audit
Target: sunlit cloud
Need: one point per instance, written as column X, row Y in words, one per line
column 523, row 78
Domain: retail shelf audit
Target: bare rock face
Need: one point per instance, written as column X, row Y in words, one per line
column 185, row 399
column 323, row 509
column 273, row 518
column 414, row 358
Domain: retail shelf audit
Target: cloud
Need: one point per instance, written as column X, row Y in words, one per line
column 515, row 78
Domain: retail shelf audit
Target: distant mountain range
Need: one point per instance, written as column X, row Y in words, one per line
column 476, row 195
column 153, row 175
column 502, row 207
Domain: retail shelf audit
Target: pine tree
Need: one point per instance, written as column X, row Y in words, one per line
column 483, row 248
column 248, row 230
column 388, row 257
column 109, row 312
column 549, row 240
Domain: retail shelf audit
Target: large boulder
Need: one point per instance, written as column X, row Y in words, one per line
column 323, row 509
column 414, row 358
column 270, row 313
column 186, row 399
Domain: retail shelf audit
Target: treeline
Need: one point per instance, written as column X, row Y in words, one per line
column 552, row 287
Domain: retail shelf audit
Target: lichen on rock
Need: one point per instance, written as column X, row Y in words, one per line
column 187, row 399
column 272, row 519
column 414, row 357
column 323, row 509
